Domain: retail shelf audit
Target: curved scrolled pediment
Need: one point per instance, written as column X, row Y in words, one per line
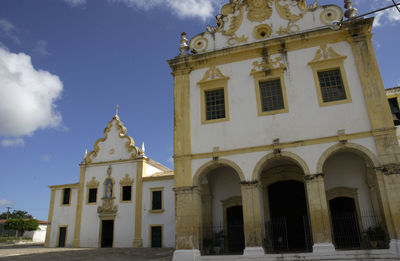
column 246, row 21
column 115, row 145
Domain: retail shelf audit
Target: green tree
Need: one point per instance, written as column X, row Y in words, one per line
column 16, row 214
column 21, row 225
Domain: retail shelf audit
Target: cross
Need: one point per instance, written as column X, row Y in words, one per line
column 116, row 109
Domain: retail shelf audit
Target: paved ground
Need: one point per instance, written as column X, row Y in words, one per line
column 39, row 253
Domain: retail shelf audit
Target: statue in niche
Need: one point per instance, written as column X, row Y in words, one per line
column 108, row 190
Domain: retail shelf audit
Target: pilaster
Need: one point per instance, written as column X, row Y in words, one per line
column 319, row 213
column 50, row 219
column 253, row 229
column 78, row 217
column 140, row 170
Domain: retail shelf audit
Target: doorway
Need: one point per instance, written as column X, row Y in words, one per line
column 107, row 233
column 288, row 227
column 346, row 229
column 235, row 231
column 62, row 236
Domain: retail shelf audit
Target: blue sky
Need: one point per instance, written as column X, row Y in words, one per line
column 76, row 59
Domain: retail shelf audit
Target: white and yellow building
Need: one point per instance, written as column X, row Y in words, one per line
column 282, row 128
column 122, row 199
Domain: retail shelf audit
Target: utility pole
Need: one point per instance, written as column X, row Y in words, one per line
column 8, row 211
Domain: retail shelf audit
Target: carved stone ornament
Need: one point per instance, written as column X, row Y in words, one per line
column 93, row 183
column 268, row 64
column 213, row 73
column 390, row 169
column 107, row 209
column 126, row 181
column 325, row 52
column 259, row 10
column 314, row 176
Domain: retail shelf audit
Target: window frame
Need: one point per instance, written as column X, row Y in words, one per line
column 150, row 234
column 58, row 236
column 126, row 181
column 69, row 198
column 212, row 85
column 334, row 63
column 263, row 76
column 161, row 189
column 92, row 184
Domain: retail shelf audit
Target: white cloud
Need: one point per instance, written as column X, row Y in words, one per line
column 27, row 96
column 8, row 30
column 182, row 8
column 15, row 142
column 75, row 2
column 5, row 203
column 41, row 47
column 45, row 158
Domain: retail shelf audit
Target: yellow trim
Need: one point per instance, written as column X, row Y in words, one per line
column 101, row 230
column 328, row 64
column 62, row 197
column 58, row 235
column 78, row 217
column 74, row 185
column 50, row 218
column 162, row 234
column 125, row 182
column 212, row 85
column 156, row 178
column 151, row 210
column 291, row 144
column 262, row 77
column 92, row 184
column 140, row 171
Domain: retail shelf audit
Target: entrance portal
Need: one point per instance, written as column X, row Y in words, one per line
column 346, row 230
column 288, row 227
column 235, row 233
column 107, row 233
column 62, row 236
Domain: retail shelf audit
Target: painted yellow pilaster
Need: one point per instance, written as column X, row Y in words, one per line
column 140, row 171
column 318, row 209
column 188, row 221
column 381, row 119
column 182, row 131
column 50, row 218
column 78, row 218
column 251, row 202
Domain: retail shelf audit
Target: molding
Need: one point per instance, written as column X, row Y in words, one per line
column 74, row 185
column 162, row 234
column 50, row 218
column 62, row 197
column 390, row 169
column 157, row 178
column 270, row 147
column 92, row 184
column 326, row 59
column 151, row 210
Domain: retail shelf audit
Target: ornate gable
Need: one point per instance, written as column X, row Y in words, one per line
column 115, row 145
column 247, row 21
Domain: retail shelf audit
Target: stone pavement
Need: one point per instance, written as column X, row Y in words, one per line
column 39, row 253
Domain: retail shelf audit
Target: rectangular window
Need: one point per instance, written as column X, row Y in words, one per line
column 92, row 195
column 156, row 236
column 394, row 107
column 62, row 236
column 271, row 95
column 215, row 104
column 331, row 83
column 126, row 193
column 156, row 200
column 66, row 196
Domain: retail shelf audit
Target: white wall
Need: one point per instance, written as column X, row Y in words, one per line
column 305, row 119
column 167, row 218
column 63, row 215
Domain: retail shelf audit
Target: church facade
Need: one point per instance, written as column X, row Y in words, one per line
column 283, row 140
column 122, row 199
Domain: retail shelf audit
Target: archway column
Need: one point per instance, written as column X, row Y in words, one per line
column 319, row 214
column 252, row 219
column 188, row 227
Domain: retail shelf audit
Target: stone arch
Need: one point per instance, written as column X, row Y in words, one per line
column 361, row 151
column 283, row 155
column 213, row 164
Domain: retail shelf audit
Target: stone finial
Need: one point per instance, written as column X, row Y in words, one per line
column 85, row 155
column 350, row 10
column 143, row 148
column 116, row 110
column 183, row 47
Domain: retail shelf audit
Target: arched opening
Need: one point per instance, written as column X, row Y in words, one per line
column 287, row 226
column 354, row 203
column 222, row 212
